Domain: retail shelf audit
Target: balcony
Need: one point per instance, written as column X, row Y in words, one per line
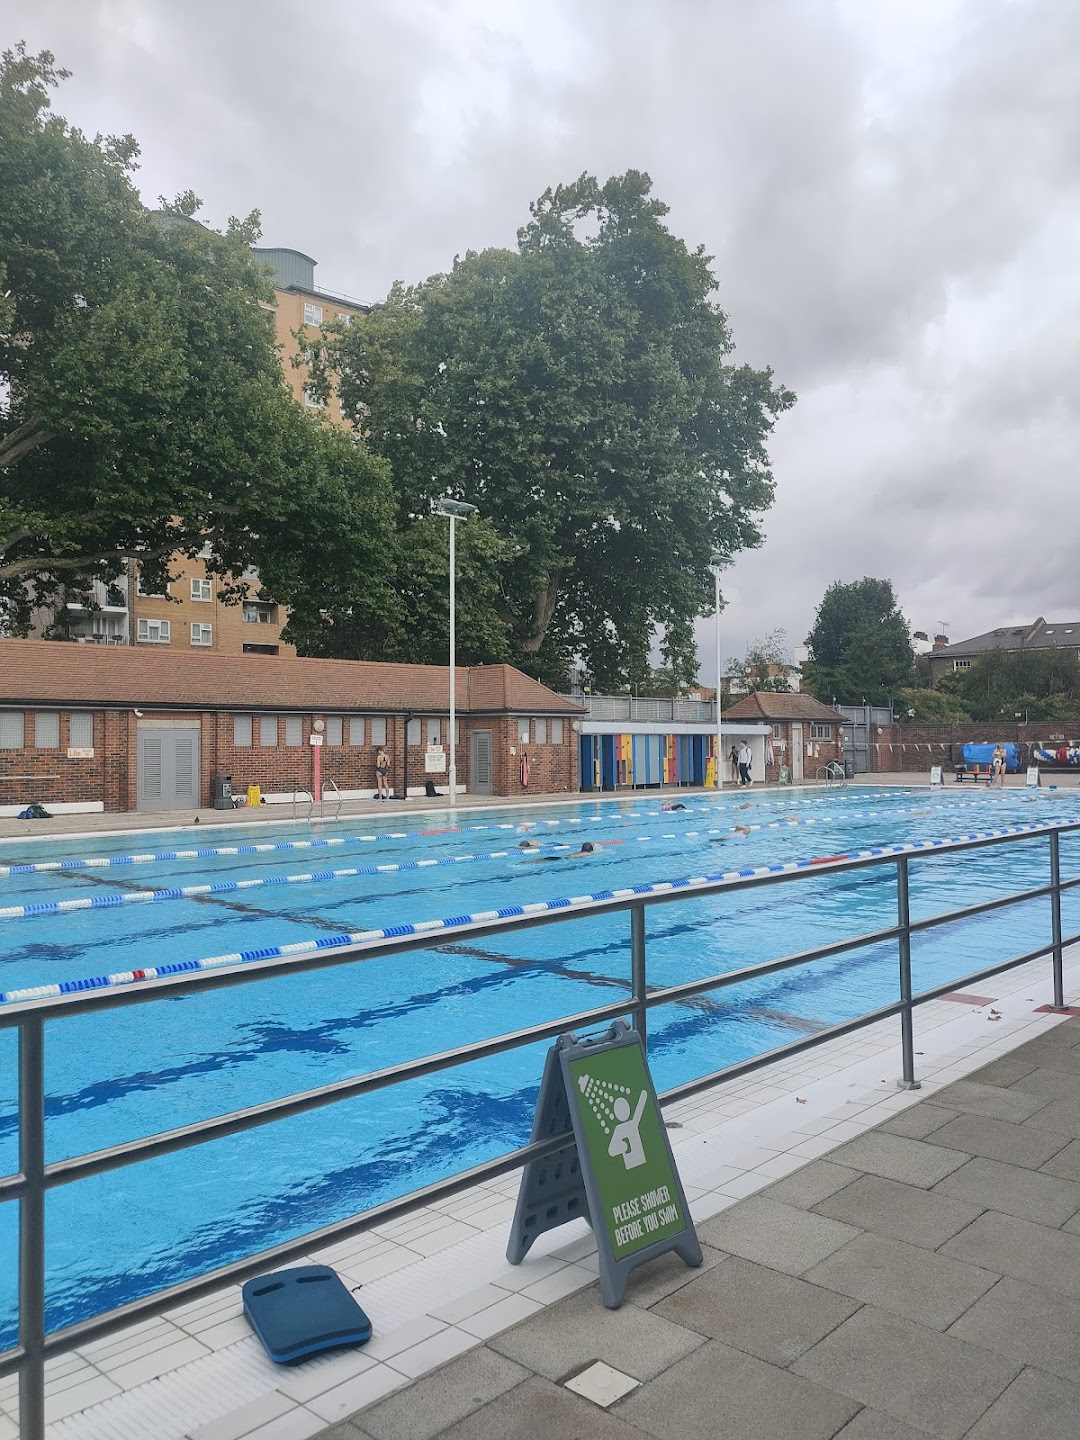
column 105, row 599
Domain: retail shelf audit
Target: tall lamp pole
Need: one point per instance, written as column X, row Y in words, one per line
column 454, row 510
column 716, row 564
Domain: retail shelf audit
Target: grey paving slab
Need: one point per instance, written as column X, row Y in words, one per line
column 997, row 1139
column 933, row 1382
column 1028, row 1194
column 565, row 1337
column 919, row 1120
column 539, row 1410
column 1065, row 1163
column 1073, row 1225
column 993, row 1101
column 1006, row 1069
column 903, row 1212
column 773, row 1316
column 1060, row 1116
column 650, row 1283
column 873, row 1425
column 780, row 1236
column 1049, row 1056
column 1032, row 1253
column 345, row 1431
column 1036, row 1407
column 424, row 1410
column 914, row 1162
column 719, row 1391
column 1053, row 1084
column 1033, row 1326
column 815, row 1181
column 919, row 1284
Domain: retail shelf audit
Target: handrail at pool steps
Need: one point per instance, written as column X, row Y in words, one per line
column 36, row 1177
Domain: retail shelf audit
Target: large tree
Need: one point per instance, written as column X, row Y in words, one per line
column 766, row 666
column 579, row 390
column 1031, row 684
column 860, row 646
column 143, row 407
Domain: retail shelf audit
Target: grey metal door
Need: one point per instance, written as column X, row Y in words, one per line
column 168, row 768
column 480, row 762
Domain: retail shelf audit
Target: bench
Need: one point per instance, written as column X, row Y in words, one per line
column 973, row 772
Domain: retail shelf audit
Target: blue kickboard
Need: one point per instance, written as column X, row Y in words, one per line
column 299, row 1313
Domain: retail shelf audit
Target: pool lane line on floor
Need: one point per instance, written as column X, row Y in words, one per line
column 456, row 923
column 522, row 826
column 223, row 887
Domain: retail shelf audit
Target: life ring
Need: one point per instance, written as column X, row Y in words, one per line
column 524, row 769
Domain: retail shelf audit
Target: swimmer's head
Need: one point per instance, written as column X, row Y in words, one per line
column 528, row 845
column 588, row 848
column 622, row 1109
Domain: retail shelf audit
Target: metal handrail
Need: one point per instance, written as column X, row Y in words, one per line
column 296, row 794
column 36, row 1177
column 331, row 784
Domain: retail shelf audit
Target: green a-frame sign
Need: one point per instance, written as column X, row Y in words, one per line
column 617, row 1170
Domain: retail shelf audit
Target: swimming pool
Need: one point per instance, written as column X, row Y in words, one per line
column 118, row 1075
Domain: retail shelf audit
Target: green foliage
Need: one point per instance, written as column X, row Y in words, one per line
column 766, row 665
column 147, row 412
column 930, row 707
column 860, row 648
column 1034, row 684
column 577, row 390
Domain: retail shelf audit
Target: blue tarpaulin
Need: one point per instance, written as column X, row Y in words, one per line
column 973, row 754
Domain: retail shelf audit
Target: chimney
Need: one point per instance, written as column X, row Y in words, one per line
column 920, row 635
column 940, row 642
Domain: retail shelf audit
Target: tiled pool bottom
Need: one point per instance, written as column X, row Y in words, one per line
column 437, row 1283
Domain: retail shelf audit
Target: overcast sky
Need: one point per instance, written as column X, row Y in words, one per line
column 891, row 189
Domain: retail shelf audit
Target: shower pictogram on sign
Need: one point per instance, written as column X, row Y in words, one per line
column 609, row 1104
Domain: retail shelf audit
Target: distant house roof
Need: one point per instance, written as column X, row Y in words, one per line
column 43, row 672
column 1041, row 635
column 770, row 705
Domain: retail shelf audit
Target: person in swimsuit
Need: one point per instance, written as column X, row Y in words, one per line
column 587, row 849
column 998, row 759
column 382, row 775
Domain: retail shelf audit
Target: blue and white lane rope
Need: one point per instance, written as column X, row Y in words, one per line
column 223, row 887
column 454, row 923
column 99, row 862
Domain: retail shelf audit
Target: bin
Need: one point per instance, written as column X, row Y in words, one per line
column 222, row 792
column 849, row 769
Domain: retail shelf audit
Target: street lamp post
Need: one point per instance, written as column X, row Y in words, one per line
column 716, row 564
column 454, row 510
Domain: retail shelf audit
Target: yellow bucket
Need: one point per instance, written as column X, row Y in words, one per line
column 254, row 795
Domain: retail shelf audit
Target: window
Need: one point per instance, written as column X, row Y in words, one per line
column 152, row 594
column 434, row 731
column 412, row 733
column 344, row 318
column 81, row 730
column 155, row 632
column 202, row 634
column 961, row 664
column 46, row 730
column 268, row 730
column 258, row 612
column 333, row 729
column 540, row 730
column 523, row 730
column 200, row 590
column 556, row 732
column 312, row 314
column 356, row 729
column 294, row 730
column 260, row 649
column 378, row 730
column 312, row 401
column 777, row 732
column 11, row 730
column 241, row 731
column 820, row 732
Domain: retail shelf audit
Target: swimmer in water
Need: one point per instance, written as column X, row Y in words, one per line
column 528, row 844
column 742, row 830
column 746, row 805
column 677, row 806
column 588, row 848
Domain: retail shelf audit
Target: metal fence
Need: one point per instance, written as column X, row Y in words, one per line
column 36, row 1178
column 646, row 710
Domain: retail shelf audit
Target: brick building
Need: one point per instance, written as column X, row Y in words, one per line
column 115, row 728
column 806, row 734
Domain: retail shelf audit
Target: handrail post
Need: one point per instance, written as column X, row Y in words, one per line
column 32, row 1228
column 637, row 972
column 1055, row 919
column 907, row 1017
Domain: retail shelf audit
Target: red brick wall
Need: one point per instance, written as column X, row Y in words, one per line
column 895, row 748
column 816, row 753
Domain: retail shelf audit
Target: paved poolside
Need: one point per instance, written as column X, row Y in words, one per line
column 920, row 1279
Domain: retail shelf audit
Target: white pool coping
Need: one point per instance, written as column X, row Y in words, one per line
column 437, row 1282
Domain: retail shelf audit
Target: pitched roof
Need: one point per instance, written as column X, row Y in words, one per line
column 44, row 672
column 1040, row 635
column 771, row 705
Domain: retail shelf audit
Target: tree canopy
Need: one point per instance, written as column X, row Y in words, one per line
column 766, row 665
column 143, row 407
column 578, row 390
column 860, row 647
column 1027, row 684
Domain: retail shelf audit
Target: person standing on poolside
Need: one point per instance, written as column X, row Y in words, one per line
column 998, row 760
column 733, row 756
column 746, row 758
column 382, row 775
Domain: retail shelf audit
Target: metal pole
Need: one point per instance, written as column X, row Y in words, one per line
column 637, row 972
column 452, row 776
column 907, row 1021
column 719, row 735
column 1055, row 919
column 32, row 1229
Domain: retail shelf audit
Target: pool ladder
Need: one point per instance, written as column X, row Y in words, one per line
column 329, row 786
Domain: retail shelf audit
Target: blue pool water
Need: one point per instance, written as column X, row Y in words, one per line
column 121, row 1074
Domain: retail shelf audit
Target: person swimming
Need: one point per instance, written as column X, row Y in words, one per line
column 528, row 844
column 677, row 806
column 742, row 830
column 588, row 848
